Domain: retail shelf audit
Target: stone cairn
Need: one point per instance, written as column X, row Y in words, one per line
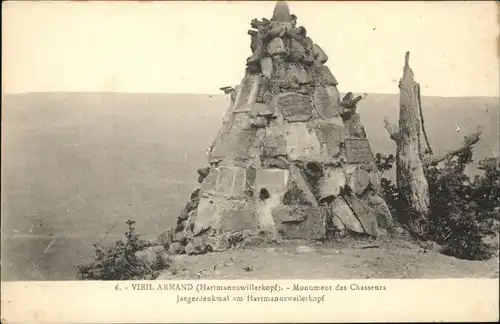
column 291, row 160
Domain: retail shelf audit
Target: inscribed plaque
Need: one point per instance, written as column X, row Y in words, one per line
column 324, row 103
column 295, row 107
column 273, row 180
column 358, row 150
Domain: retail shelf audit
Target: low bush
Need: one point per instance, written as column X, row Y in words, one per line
column 462, row 211
column 119, row 262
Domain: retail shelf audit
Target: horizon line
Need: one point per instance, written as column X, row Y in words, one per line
column 218, row 94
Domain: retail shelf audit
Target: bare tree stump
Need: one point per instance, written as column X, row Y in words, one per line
column 409, row 165
column 411, row 161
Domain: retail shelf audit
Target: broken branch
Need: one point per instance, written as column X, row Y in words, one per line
column 469, row 141
column 392, row 129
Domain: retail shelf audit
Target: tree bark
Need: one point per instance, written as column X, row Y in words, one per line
column 411, row 161
column 411, row 179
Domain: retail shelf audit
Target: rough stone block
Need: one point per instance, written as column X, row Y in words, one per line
column 359, row 181
column 332, row 183
column 358, row 150
column 247, row 93
column 240, row 182
column 324, row 76
column 332, row 135
column 290, row 214
column 384, row 216
column 176, row 248
column 264, row 216
column 337, row 223
column 276, row 46
column 266, row 66
column 241, row 121
column 276, row 163
column 302, row 144
column 225, row 181
column 299, row 192
column 274, row 143
column 312, row 227
column 296, row 72
column 262, row 109
column 165, row 238
column 208, row 215
column 334, row 93
column 251, row 173
column 355, row 127
column 259, row 122
column 341, row 209
column 150, row 254
column 365, row 214
column 297, row 51
column 197, row 246
column 326, row 102
column 238, row 215
column 375, row 181
column 232, row 144
column 231, row 182
column 209, row 183
column 295, row 107
column 319, row 54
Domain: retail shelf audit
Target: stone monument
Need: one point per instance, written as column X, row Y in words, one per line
column 291, row 159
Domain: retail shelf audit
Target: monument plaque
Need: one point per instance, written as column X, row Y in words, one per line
column 273, row 180
column 295, row 107
column 358, row 150
column 324, row 103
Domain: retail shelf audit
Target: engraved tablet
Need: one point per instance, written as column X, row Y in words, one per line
column 325, row 104
column 273, row 180
column 295, row 107
column 358, row 150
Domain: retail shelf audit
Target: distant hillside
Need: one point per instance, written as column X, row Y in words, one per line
column 174, row 116
column 77, row 164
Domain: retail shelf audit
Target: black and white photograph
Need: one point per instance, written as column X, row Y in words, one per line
column 250, row 140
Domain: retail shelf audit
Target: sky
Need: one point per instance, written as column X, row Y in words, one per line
column 198, row 47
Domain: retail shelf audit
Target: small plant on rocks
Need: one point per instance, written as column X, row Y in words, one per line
column 119, row 262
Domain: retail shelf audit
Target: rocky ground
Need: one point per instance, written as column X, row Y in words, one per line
column 345, row 259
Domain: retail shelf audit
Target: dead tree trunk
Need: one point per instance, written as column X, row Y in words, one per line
column 411, row 160
column 409, row 163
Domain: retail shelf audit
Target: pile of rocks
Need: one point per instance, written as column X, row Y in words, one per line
column 291, row 159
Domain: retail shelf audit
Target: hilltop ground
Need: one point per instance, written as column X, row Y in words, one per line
column 348, row 259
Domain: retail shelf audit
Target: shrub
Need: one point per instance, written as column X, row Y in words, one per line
column 119, row 262
column 462, row 211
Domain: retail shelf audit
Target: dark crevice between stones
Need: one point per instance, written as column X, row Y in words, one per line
column 264, row 194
